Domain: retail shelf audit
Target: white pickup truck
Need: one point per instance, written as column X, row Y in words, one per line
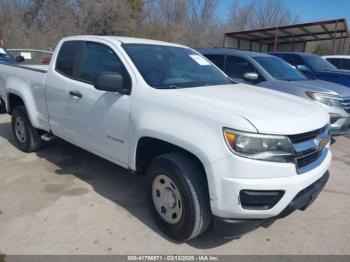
column 214, row 153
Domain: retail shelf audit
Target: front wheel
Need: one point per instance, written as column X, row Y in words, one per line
column 177, row 196
column 26, row 136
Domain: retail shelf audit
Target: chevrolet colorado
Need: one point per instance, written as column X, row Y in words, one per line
column 214, row 153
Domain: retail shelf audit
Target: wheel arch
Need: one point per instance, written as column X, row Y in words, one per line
column 149, row 147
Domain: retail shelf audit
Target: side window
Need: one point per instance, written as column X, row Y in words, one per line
column 218, row 60
column 293, row 60
column 335, row 61
column 236, row 67
column 67, row 57
column 345, row 64
column 97, row 59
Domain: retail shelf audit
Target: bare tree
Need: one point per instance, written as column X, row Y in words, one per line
column 259, row 14
column 107, row 17
column 273, row 13
column 166, row 20
column 204, row 28
column 41, row 23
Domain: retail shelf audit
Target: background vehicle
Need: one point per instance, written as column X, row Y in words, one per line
column 314, row 67
column 5, row 57
column 339, row 61
column 274, row 73
column 213, row 152
column 33, row 57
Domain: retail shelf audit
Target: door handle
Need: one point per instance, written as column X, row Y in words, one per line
column 75, row 93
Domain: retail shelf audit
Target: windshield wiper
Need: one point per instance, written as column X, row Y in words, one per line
column 169, row 87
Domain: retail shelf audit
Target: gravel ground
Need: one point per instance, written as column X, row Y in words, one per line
column 64, row 200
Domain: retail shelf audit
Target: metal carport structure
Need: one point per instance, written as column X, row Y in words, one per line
column 291, row 37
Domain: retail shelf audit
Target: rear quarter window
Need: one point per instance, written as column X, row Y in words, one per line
column 67, row 57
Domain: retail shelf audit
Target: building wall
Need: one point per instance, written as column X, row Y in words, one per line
column 287, row 47
column 232, row 42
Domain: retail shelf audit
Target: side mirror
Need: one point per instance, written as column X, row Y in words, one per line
column 111, row 82
column 20, row 59
column 251, row 77
column 302, row 68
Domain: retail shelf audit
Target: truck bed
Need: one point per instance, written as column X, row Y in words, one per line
column 30, row 79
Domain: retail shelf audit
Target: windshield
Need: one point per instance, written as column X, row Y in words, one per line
column 279, row 69
column 318, row 63
column 173, row 67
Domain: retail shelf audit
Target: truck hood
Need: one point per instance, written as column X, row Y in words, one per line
column 319, row 86
column 270, row 112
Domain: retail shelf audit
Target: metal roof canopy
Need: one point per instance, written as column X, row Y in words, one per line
column 297, row 33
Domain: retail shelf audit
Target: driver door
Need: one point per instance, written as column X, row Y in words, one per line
column 99, row 120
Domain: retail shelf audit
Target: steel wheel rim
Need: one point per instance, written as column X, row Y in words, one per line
column 167, row 199
column 20, row 130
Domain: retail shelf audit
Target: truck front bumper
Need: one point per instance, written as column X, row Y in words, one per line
column 231, row 176
column 233, row 228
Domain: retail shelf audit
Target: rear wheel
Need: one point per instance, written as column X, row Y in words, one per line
column 26, row 136
column 177, row 196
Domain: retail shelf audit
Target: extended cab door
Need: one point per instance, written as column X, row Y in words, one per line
column 56, row 86
column 97, row 120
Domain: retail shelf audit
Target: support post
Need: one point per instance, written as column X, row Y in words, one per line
column 340, row 43
column 343, row 46
column 276, row 40
column 334, row 37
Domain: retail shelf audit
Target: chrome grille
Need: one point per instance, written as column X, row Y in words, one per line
column 346, row 104
column 307, row 159
column 306, row 136
column 309, row 148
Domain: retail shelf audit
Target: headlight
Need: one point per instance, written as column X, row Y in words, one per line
column 327, row 99
column 257, row 146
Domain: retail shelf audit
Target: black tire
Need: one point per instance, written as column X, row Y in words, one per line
column 2, row 107
column 32, row 141
column 190, row 180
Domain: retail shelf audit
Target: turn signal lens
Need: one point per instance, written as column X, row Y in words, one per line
column 230, row 138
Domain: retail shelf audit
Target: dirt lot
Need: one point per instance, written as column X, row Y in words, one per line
column 63, row 200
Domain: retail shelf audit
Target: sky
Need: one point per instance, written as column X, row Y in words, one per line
column 307, row 10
